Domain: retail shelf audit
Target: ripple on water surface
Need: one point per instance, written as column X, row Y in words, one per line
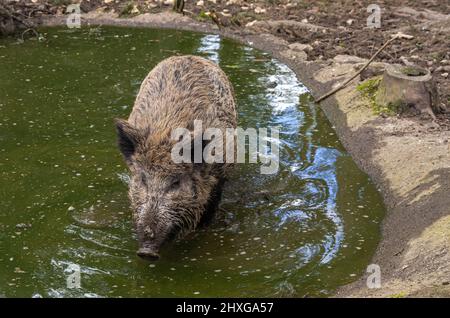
column 305, row 230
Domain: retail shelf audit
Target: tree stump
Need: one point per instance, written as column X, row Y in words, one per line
column 408, row 89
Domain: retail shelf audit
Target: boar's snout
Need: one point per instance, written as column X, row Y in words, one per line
column 152, row 238
column 148, row 253
column 149, row 246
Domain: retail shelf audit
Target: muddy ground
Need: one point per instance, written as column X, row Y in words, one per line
column 341, row 26
column 407, row 157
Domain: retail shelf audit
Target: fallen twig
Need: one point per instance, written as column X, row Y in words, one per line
column 358, row 72
column 36, row 34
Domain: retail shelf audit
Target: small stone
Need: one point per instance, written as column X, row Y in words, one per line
column 135, row 10
column 349, row 21
column 348, row 59
column 71, row 208
column 259, row 10
column 445, row 75
column 250, row 24
column 295, row 55
column 200, row 3
column 300, row 47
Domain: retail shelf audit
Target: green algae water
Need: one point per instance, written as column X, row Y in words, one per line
column 304, row 231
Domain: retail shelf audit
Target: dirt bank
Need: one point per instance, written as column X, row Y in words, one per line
column 408, row 159
column 338, row 27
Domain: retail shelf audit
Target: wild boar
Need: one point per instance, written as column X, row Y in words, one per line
column 171, row 199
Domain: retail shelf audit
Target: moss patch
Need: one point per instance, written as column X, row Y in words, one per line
column 203, row 16
column 413, row 71
column 369, row 89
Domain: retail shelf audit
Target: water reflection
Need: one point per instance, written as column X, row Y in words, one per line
column 210, row 46
column 323, row 168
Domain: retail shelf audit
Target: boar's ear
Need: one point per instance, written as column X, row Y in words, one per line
column 128, row 137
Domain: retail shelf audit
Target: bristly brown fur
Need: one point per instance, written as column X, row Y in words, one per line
column 169, row 198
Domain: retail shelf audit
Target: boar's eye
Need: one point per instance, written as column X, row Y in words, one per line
column 174, row 183
column 144, row 179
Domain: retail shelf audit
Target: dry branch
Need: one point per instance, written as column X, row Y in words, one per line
column 358, row 72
